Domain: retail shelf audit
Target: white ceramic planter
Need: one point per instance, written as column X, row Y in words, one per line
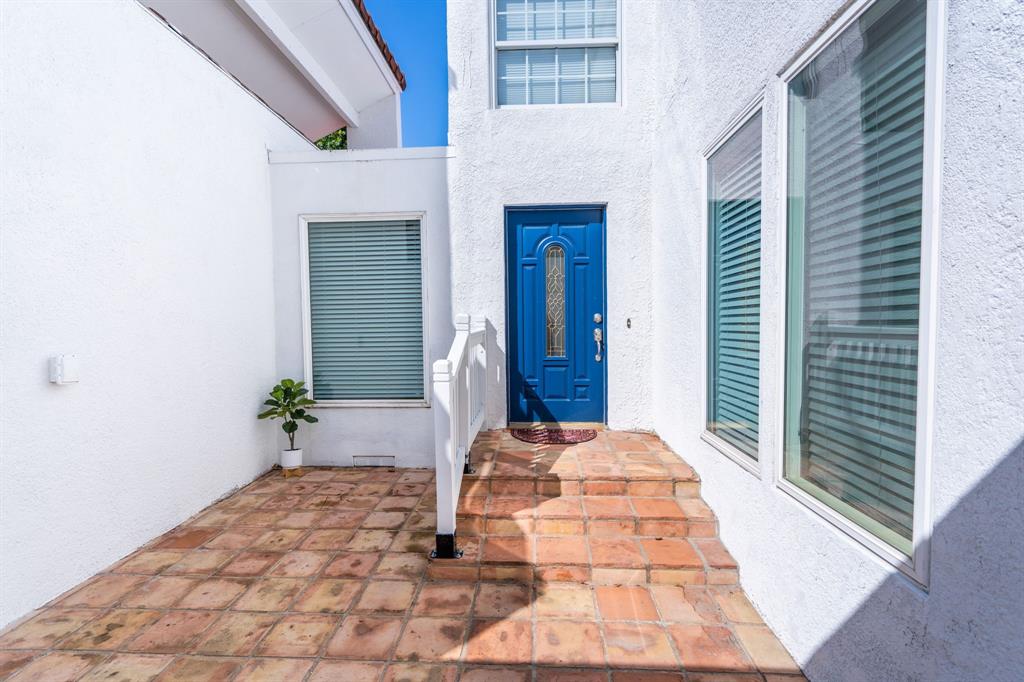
column 291, row 459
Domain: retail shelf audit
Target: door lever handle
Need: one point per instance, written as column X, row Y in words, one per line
column 599, row 340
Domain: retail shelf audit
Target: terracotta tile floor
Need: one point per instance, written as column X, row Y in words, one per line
column 590, row 562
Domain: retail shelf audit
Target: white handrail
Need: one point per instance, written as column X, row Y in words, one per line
column 459, row 391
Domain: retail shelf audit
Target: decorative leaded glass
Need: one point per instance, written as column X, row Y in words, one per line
column 554, row 286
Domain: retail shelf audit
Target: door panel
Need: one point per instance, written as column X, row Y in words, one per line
column 556, row 287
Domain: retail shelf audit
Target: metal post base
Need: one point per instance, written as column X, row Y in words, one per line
column 446, row 548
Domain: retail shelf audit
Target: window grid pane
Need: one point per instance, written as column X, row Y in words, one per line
column 512, row 77
column 734, row 301
column 855, row 199
column 556, row 76
column 573, row 19
column 556, row 19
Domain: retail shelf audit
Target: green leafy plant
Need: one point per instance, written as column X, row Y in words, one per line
column 288, row 401
column 336, row 140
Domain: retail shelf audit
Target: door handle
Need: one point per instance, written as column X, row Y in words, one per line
column 598, row 340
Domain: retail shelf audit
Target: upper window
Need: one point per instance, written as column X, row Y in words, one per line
column 734, row 287
column 365, row 310
column 856, row 146
column 556, row 51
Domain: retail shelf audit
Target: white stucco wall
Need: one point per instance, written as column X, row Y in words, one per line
column 360, row 182
column 843, row 613
column 555, row 155
column 135, row 213
column 691, row 67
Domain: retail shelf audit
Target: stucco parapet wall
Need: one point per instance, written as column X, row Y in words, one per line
column 346, row 155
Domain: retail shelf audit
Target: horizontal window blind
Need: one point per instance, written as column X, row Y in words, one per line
column 734, row 287
column 366, row 310
column 856, row 157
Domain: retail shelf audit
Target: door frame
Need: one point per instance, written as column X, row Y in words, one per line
column 506, row 208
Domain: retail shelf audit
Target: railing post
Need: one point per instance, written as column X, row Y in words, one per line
column 478, row 386
column 444, row 448
column 463, row 323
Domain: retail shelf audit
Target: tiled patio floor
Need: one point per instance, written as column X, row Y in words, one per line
column 590, row 562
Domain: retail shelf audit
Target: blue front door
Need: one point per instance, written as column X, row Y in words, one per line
column 556, row 304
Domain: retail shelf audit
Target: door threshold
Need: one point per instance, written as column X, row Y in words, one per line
column 597, row 426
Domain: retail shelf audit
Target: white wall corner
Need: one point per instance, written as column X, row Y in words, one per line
column 380, row 125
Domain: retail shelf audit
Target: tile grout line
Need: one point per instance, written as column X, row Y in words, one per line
column 357, row 598
column 263, row 516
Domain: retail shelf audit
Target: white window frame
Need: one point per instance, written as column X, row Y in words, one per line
column 307, row 320
column 754, row 107
column 554, row 43
column 915, row 566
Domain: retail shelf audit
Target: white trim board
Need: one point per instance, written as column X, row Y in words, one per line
column 352, row 155
column 371, row 45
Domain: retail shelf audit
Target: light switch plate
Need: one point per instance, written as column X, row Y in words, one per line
column 64, row 369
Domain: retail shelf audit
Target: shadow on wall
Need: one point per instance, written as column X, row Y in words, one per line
column 496, row 363
column 970, row 624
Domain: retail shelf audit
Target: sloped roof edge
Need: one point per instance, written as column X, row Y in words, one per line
column 382, row 44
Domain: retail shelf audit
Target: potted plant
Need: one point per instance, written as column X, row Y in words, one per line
column 288, row 402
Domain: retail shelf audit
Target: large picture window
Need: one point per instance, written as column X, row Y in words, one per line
column 734, row 287
column 555, row 51
column 365, row 310
column 856, row 141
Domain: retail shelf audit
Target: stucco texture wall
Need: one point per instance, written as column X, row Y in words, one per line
column 135, row 211
column 362, row 182
column 690, row 67
column 554, row 155
column 843, row 613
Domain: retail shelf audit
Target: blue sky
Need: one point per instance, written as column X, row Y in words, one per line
column 415, row 31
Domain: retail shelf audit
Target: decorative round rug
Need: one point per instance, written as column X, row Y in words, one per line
column 551, row 436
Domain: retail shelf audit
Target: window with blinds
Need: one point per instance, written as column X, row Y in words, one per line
column 856, row 140
column 556, row 76
column 555, row 51
column 366, row 310
column 734, row 287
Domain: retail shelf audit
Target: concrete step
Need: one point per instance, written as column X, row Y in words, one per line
column 684, row 485
column 597, row 515
column 591, row 560
column 622, row 509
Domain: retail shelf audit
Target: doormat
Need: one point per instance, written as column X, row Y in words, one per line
column 550, row 436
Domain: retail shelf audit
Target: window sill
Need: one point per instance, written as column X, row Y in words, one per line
column 556, row 43
column 744, row 461
column 371, row 403
column 574, row 105
column 907, row 565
